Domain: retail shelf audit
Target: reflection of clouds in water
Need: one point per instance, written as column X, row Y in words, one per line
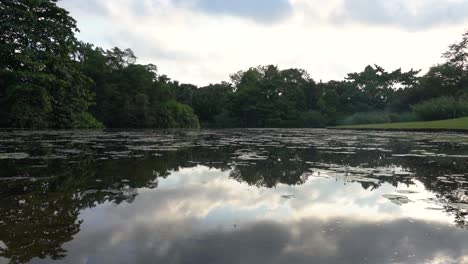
column 201, row 216
column 337, row 241
column 199, row 192
column 197, row 204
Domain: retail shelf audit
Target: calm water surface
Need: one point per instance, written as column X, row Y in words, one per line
column 233, row 196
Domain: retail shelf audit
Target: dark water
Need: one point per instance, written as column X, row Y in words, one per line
column 235, row 196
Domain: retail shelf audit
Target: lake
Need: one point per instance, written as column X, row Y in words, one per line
column 233, row 196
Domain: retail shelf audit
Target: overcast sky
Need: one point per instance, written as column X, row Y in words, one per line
column 204, row 41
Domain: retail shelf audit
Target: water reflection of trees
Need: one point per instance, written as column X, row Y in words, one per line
column 39, row 214
column 39, row 211
column 282, row 165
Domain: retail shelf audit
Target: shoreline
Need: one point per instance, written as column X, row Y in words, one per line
column 429, row 130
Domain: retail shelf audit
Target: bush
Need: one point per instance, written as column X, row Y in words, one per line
column 394, row 117
column 441, row 108
column 313, row 119
column 89, row 122
column 310, row 119
column 174, row 115
column 30, row 107
column 408, row 117
column 226, row 120
column 367, row 118
column 379, row 118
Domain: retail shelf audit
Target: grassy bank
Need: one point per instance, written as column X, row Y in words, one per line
column 459, row 124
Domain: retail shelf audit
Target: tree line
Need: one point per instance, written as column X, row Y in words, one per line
column 50, row 79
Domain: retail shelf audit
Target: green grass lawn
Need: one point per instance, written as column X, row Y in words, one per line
column 451, row 124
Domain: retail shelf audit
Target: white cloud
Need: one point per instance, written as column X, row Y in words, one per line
column 409, row 14
column 201, row 48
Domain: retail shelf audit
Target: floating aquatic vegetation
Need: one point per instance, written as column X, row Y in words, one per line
column 462, row 206
column 435, row 208
column 406, row 192
column 14, row 156
column 363, row 179
column 339, row 152
column 397, row 199
column 251, row 156
column 15, row 178
column 20, row 178
column 69, row 151
column 248, row 154
column 87, row 192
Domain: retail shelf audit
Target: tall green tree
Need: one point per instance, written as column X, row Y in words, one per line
column 210, row 103
column 448, row 79
column 457, row 55
column 266, row 96
column 130, row 94
column 379, row 87
column 36, row 61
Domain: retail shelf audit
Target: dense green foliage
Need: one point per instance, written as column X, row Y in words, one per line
column 269, row 97
column 377, row 118
column 442, row 108
column 132, row 95
column 40, row 84
column 458, row 124
column 48, row 79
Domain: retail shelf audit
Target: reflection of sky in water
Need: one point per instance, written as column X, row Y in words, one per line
column 198, row 215
column 271, row 196
column 328, row 198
